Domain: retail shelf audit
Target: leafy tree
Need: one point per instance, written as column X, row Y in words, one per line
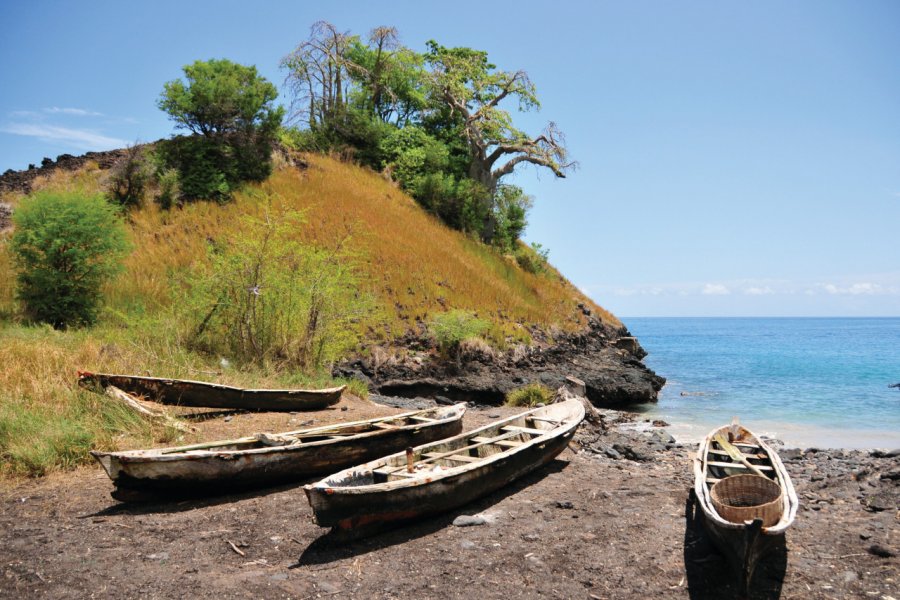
column 230, row 109
column 389, row 78
column 221, row 98
column 473, row 88
column 65, row 247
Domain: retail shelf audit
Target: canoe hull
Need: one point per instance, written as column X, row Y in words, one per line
column 375, row 511
column 743, row 544
column 210, row 472
column 356, row 513
column 212, row 395
column 743, row 548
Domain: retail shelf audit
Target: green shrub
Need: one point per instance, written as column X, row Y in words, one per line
column 451, row 328
column 130, row 177
column 169, row 189
column 511, row 207
column 203, row 167
column 532, row 259
column 65, row 247
column 530, row 395
column 270, row 299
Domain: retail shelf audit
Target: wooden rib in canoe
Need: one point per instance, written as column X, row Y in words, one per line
column 367, row 498
column 743, row 543
column 183, row 392
column 255, row 461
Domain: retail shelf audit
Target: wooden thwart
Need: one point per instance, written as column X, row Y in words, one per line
column 757, row 456
column 457, row 457
column 757, row 469
column 527, row 430
column 433, row 456
column 737, row 455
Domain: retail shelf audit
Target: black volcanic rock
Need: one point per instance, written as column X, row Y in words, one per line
column 613, row 376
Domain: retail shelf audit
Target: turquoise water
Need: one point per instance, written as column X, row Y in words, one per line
column 807, row 381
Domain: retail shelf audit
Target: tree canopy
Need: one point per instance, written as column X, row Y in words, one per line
column 437, row 121
column 221, row 97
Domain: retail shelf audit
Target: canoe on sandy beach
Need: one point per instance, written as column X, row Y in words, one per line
column 745, row 494
column 265, row 459
column 441, row 476
column 213, row 395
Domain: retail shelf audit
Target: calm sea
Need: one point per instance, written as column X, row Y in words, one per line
column 807, row 381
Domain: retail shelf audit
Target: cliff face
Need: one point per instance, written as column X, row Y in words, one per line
column 607, row 359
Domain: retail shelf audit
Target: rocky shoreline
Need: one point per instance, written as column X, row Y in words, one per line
column 607, row 359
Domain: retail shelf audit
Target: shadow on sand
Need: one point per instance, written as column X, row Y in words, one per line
column 174, row 501
column 331, row 547
column 710, row 577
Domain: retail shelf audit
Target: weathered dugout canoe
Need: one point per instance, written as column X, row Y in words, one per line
column 743, row 543
column 183, row 392
column 266, row 459
column 364, row 499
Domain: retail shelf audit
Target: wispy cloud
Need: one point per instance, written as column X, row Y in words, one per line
column 856, row 289
column 80, row 138
column 759, row 291
column 77, row 112
column 715, row 289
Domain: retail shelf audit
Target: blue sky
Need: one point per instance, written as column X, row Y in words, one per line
column 735, row 158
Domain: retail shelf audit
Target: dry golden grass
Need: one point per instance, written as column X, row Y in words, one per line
column 413, row 265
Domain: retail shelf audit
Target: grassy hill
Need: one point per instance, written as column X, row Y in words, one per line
column 410, row 265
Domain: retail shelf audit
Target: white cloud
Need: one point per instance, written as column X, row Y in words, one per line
column 79, row 138
column 715, row 289
column 624, row 292
column 78, row 112
column 857, row 289
column 759, row 291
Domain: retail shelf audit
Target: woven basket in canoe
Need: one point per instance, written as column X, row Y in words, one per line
column 742, row 498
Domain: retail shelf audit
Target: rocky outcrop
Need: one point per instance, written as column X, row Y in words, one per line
column 20, row 181
column 613, row 373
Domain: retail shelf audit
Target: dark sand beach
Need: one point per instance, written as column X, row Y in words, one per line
column 611, row 517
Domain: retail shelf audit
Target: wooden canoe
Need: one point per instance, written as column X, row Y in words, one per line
column 213, row 395
column 367, row 498
column 746, row 542
column 266, row 459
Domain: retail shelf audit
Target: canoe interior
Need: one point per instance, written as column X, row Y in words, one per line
column 321, row 436
column 467, row 449
column 720, row 465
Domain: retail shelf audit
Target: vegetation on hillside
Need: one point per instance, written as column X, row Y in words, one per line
column 407, row 269
column 300, row 259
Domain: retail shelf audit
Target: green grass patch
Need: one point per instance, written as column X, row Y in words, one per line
column 35, row 440
column 530, row 395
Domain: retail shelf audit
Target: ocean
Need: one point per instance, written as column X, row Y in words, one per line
column 810, row 382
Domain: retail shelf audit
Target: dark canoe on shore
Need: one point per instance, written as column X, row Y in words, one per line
column 213, row 395
column 444, row 475
column 266, row 459
column 735, row 451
